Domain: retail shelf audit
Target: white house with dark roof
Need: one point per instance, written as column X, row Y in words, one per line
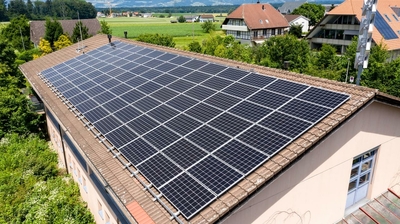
column 299, row 20
column 254, row 23
column 157, row 135
column 206, row 17
column 340, row 25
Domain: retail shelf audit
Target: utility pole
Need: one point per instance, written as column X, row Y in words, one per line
column 365, row 37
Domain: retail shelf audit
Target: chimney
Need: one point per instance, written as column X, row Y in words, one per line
column 262, row 7
column 126, row 34
column 258, row 1
column 109, row 38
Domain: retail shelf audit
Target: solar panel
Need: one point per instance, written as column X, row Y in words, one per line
column 192, row 128
column 384, row 28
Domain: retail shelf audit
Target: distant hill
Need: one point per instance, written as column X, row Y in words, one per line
column 100, row 4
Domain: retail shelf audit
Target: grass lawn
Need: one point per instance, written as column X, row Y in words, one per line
column 182, row 32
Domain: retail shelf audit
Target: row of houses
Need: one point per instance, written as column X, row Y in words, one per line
column 254, row 23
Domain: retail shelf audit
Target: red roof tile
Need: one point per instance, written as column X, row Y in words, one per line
column 259, row 16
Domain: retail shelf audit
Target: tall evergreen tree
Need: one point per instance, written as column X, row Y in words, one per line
column 3, row 11
column 17, row 33
column 76, row 34
column 53, row 31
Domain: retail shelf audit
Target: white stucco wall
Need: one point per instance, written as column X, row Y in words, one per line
column 79, row 174
column 314, row 189
column 301, row 21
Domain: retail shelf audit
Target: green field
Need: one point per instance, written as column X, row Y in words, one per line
column 183, row 33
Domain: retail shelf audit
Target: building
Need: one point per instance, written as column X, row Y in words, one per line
column 298, row 20
column 147, row 15
column 191, row 19
column 340, row 25
column 158, row 135
column 38, row 28
column 289, row 7
column 254, row 23
column 206, row 17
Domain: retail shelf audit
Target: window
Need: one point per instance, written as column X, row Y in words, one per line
column 395, row 17
column 238, row 33
column 69, row 161
column 360, row 177
column 84, row 184
column 279, row 31
column 387, row 17
column 79, row 176
column 273, row 32
column 107, row 219
column 74, row 167
column 100, row 209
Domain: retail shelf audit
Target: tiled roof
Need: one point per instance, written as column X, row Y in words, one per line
column 259, row 16
column 131, row 192
column 38, row 28
column 383, row 209
column 288, row 7
column 353, row 7
column 207, row 16
column 290, row 18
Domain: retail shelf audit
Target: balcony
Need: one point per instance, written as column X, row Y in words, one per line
column 235, row 28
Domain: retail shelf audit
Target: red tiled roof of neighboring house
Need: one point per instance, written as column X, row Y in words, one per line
column 353, row 7
column 140, row 203
column 259, row 16
column 38, row 28
column 207, row 16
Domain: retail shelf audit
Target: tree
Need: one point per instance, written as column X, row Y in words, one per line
column 208, row 26
column 44, row 47
column 17, row 33
column 314, row 12
column 326, row 56
column 181, row 19
column 296, row 30
column 16, row 113
column 16, row 8
column 32, row 189
column 53, row 31
column 195, row 47
column 80, row 32
column 283, row 48
column 3, row 11
column 105, row 28
column 163, row 40
column 63, row 41
column 10, row 76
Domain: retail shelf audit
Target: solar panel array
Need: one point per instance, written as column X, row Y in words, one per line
column 383, row 27
column 191, row 127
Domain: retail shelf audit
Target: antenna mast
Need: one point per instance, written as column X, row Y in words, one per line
column 80, row 30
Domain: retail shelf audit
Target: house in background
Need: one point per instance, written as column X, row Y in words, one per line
column 206, row 17
column 298, row 20
column 254, row 23
column 191, row 18
column 38, row 28
column 340, row 25
column 289, row 7
column 147, row 15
